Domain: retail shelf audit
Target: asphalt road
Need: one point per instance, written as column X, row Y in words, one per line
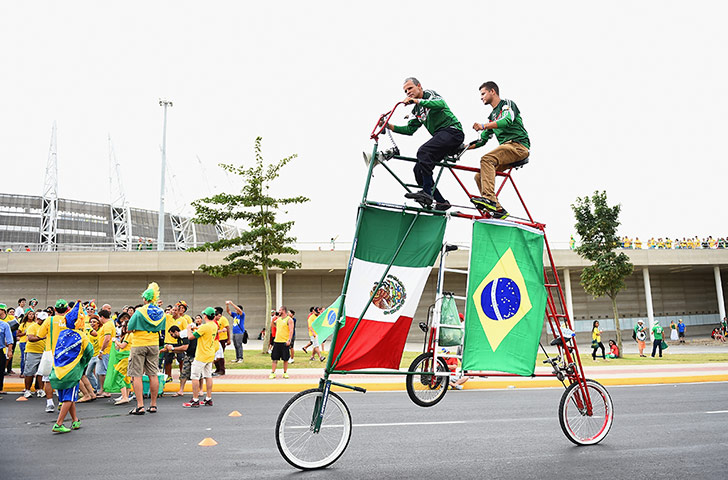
column 665, row 431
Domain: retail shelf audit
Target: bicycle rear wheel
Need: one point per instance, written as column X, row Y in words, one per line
column 296, row 440
column 579, row 426
column 424, row 388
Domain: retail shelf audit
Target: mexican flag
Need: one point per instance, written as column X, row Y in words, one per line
column 323, row 325
column 379, row 339
column 506, row 299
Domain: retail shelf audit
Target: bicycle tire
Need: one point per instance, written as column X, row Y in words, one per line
column 580, row 428
column 423, row 389
column 296, row 441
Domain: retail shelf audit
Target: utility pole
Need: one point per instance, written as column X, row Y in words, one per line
column 160, row 227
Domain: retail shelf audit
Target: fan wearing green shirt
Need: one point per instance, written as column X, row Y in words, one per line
column 505, row 122
column 432, row 111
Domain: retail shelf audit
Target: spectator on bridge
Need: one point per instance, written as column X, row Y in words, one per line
column 637, row 243
column 597, row 341
column 657, row 338
column 640, row 335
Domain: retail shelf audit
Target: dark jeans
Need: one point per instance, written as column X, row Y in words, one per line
column 2, row 369
column 238, row 343
column 655, row 345
column 443, row 143
column 594, row 351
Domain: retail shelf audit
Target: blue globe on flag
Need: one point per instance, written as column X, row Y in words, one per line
column 331, row 318
column 500, row 299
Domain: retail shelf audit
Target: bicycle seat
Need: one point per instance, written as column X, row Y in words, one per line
column 518, row 164
column 455, row 155
column 557, row 341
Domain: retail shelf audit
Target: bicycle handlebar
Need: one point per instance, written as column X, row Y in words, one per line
column 381, row 125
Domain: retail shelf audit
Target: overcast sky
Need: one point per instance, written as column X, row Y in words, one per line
column 624, row 96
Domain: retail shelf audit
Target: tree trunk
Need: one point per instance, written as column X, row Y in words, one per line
column 268, row 302
column 616, row 325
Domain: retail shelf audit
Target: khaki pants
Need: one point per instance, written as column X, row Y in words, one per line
column 497, row 160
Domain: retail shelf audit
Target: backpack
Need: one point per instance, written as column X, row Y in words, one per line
column 634, row 334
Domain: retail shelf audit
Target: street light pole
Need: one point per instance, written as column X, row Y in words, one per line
column 160, row 224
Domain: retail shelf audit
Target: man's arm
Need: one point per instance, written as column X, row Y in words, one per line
column 291, row 330
column 485, row 135
column 230, row 333
column 408, row 129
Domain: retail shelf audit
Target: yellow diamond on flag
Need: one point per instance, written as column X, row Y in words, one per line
column 501, row 300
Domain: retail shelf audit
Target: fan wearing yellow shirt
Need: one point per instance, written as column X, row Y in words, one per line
column 174, row 317
column 225, row 335
column 105, row 335
column 49, row 331
column 33, row 353
column 281, row 342
column 204, row 356
column 90, row 373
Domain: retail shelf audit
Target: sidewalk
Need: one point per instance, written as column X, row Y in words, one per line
column 303, row 378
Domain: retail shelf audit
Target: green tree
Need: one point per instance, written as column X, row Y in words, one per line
column 256, row 250
column 596, row 224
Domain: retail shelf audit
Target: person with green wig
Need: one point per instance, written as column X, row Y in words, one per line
column 144, row 326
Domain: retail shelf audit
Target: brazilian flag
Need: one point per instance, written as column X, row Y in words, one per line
column 506, row 299
column 147, row 318
column 72, row 352
column 324, row 324
column 117, row 375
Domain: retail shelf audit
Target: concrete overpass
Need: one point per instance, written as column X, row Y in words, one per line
column 668, row 284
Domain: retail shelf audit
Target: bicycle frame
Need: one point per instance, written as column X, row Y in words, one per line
column 555, row 306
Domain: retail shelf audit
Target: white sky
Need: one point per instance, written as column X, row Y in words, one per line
column 623, row 96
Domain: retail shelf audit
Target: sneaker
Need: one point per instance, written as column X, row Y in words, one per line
column 500, row 214
column 215, row 374
column 482, row 203
column 323, row 359
column 40, row 393
column 50, row 408
column 168, row 379
column 272, row 376
column 61, row 428
column 208, row 402
column 442, row 206
column 456, row 386
column 76, row 425
column 285, row 375
column 420, row 197
column 192, row 404
column 290, row 361
column 27, row 394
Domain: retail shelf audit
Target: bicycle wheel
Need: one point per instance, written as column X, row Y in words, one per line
column 297, row 442
column 578, row 426
column 426, row 389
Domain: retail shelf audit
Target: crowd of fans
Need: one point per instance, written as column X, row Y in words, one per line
column 694, row 243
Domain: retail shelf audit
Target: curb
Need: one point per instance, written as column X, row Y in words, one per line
column 400, row 386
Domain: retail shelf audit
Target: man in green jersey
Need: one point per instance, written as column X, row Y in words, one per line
column 447, row 136
column 505, row 121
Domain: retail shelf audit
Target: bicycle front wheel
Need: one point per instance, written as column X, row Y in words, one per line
column 580, row 426
column 424, row 388
column 296, row 440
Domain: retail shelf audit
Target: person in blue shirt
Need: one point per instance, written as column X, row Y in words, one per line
column 681, row 331
column 236, row 311
column 6, row 341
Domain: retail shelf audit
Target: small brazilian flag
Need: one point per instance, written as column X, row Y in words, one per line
column 506, row 299
column 324, row 324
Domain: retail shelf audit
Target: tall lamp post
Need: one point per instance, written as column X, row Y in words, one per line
column 160, row 225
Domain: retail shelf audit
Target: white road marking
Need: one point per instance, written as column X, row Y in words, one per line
column 718, row 411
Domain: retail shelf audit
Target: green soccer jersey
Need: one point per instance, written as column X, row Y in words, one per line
column 432, row 112
column 657, row 331
column 510, row 125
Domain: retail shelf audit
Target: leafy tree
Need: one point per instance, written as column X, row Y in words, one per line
column 256, row 250
column 596, row 224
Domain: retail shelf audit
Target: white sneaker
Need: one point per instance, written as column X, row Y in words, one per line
column 50, row 408
column 40, row 394
column 290, row 361
column 27, row 394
